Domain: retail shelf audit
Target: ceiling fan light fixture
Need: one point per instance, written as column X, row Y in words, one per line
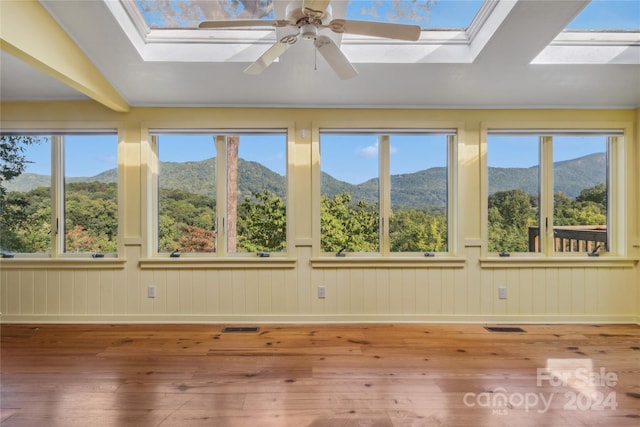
column 308, row 31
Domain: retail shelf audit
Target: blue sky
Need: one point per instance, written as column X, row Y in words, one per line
column 597, row 15
column 267, row 149
column 84, row 155
column 523, row 152
column 354, row 158
column 442, row 13
column 351, row 158
column 608, row 15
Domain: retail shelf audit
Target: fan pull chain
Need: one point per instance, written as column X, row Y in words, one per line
column 315, row 59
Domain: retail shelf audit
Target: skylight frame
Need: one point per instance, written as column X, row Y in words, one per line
column 245, row 45
column 344, row 8
column 592, row 46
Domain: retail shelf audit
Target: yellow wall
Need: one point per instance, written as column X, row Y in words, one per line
column 463, row 288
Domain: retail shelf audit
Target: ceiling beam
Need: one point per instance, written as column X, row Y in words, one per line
column 529, row 27
column 28, row 32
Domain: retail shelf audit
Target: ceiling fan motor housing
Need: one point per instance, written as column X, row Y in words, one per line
column 308, row 31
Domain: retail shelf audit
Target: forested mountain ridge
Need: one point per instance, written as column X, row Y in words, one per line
column 422, row 189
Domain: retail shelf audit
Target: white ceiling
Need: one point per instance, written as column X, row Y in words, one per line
column 512, row 61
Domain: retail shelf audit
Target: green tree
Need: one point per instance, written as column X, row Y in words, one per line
column 589, row 207
column 262, row 223
column 353, row 227
column 93, row 207
column 12, row 158
column 413, row 230
column 596, row 194
column 180, row 213
column 25, row 223
column 511, row 213
column 14, row 210
column 168, row 234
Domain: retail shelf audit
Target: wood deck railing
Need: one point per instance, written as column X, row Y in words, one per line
column 576, row 238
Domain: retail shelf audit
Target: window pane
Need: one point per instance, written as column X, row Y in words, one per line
column 514, row 193
column 418, row 167
column 186, row 193
column 349, row 193
column 580, row 193
column 256, row 193
column 25, row 194
column 91, row 193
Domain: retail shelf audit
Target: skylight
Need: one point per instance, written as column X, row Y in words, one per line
column 189, row 13
column 608, row 15
column 429, row 14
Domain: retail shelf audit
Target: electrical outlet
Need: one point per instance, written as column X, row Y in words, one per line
column 322, row 292
column 502, row 292
column 151, row 291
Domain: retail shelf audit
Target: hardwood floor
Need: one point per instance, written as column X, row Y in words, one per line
column 396, row 375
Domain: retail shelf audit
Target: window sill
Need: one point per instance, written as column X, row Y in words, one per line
column 558, row 262
column 218, row 263
column 386, row 262
column 62, row 263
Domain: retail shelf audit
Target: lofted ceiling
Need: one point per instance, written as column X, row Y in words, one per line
column 515, row 54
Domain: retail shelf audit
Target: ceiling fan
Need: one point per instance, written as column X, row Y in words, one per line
column 309, row 17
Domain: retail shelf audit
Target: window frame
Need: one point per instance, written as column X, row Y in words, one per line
column 221, row 256
column 617, row 134
column 57, row 159
column 385, row 256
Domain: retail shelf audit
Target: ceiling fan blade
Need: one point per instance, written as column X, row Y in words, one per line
column 334, row 56
column 243, row 23
column 271, row 55
column 316, row 8
column 377, row 29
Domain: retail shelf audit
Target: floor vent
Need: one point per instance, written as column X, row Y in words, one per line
column 241, row 329
column 504, row 329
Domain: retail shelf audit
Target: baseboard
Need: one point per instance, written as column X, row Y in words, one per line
column 311, row 319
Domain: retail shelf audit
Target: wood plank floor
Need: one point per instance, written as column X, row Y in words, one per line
column 392, row 375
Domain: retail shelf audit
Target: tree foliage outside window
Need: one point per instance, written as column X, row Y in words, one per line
column 251, row 200
column 414, row 230
column 580, row 192
column 25, row 217
column 87, row 218
column 262, row 223
column 348, row 226
column 13, row 160
column 398, row 178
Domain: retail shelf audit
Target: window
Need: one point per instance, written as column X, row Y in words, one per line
column 514, row 192
column 221, row 193
column 550, row 192
column 61, row 194
column 186, row 193
column 580, row 193
column 385, row 192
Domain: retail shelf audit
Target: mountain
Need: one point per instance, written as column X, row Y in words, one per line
column 570, row 176
column 422, row 189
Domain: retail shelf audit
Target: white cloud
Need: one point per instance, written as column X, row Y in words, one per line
column 369, row 151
